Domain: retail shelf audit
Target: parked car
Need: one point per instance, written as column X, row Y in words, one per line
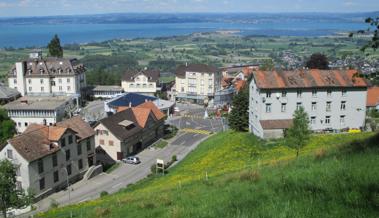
column 176, row 109
column 131, row 160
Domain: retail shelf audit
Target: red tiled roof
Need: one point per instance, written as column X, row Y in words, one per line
column 308, row 79
column 150, row 105
column 239, row 85
column 373, row 96
column 276, row 124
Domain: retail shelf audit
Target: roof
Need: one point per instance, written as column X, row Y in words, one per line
column 37, row 141
column 226, row 81
column 239, row 85
column 50, row 66
column 108, row 88
column 308, row 79
column 201, row 68
column 276, row 124
column 130, row 99
column 373, row 96
column 150, row 105
column 6, row 92
column 152, row 75
column 37, row 103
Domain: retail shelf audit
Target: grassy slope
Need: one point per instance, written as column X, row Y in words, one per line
column 252, row 178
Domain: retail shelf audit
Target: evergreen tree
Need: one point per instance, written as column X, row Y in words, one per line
column 318, row 61
column 7, row 127
column 298, row 135
column 239, row 116
column 55, row 48
column 10, row 196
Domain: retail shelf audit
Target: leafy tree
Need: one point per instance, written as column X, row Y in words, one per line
column 239, row 116
column 298, row 134
column 267, row 64
column 374, row 30
column 7, row 127
column 55, row 48
column 10, row 196
column 318, row 61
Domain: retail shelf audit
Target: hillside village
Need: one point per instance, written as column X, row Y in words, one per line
column 73, row 142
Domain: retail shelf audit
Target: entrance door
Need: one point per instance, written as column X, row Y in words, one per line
column 120, row 155
column 90, row 161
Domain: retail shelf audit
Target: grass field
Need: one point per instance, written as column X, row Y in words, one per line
column 237, row 175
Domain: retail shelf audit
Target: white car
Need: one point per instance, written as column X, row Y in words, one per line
column 176, row 109
column 131, row 160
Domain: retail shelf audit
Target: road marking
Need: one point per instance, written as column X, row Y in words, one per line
column 198, row 131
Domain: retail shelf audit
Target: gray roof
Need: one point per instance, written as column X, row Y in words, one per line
column 37, row 103
column 108, row 88
column 6, row 92
column 201, row 68
column 152, row 75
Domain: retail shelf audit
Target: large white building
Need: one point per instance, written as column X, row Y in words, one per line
column 47, row 76
column 39, row 110
column 333, row 99
column 197, row 82
column 142, row 82
column 45, row 156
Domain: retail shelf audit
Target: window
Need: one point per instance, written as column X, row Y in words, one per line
column 314, row 93
column 68, row 88
column 344, row 93
column 327, row 120
column 131, row 85
column 18, row 171
column 42, row 184
column 18, row 185
column 29, row 81
column 105, row 132
column 70, row 139
column 88, row 145
column 111, row 143
column 41, row 81
column 299, row 93
column 56, row 176
column 19, row 124
column 30, row 89
column 298, row 105
column 63, row 142
column 68, row 80
column 9, row 154
column 314, row 106
column 55, row 160
column 59, row 80
column 68, row 168
column 26, row 124
column 42, row 89
column 268, row 108
column 68, row 154
column 79, row 149
column 343, row 105
column 284, row 107
column 342, row 120
column 284, row 94
column 329, row 93
column 328, row 106
column 80, row 164
column 101, row 142
column 60, row 88
column 15, row 81
column 313, row 120
column 40, row 166
column 268, row 94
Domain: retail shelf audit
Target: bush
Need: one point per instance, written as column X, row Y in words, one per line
column 102, row 212
column 103, row 194
column 54, row 204
column 320, row 154
column 174, row 158
column 250, row 176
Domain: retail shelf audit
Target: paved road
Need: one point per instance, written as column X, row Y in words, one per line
column 124, row 175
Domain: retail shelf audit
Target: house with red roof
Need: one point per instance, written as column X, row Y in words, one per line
column 373, row 98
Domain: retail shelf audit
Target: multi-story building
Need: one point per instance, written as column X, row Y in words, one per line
column 47, row 76
column 46, row 156
column 197, row 82
column 130, row 130
column 39, row 110
column 107, row 91
column 333, row 99
column 143, row 82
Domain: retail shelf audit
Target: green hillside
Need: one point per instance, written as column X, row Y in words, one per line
column 335, row 176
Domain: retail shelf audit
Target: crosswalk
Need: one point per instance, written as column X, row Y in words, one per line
column 197, row 131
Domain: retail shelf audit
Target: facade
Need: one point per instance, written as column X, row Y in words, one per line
column 333, row 99
column 7, row 94
column 39, row 110
column 129, row 131
column 46, row 155
column 47, row 76
column 142, row 82
column 107, row 91
column 197, row 82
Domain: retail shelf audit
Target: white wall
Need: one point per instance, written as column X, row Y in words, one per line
column 139, row 85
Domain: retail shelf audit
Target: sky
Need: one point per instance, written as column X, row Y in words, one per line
column 17, row 8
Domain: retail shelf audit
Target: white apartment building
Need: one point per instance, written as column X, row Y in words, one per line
column 333, row 99
column 45, row 156
column 197, row 82
column 142, row 82
column 39, row 110
column 47, row 76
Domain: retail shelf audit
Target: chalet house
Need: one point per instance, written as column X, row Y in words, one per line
column 142, row 82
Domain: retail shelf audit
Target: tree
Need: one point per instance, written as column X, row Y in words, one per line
column 298, row 134
column 318, row 61
column 267, row 64
column 55, row 48
column 239, row 116
column 10, row 196
column 374, row 42
column 7, row 127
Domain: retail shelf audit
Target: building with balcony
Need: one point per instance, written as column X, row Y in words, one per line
column 107, row 91
column 333, row 99
column 45, row 156
column 142, row 82
column 197, row 83
column 47, row 76
column 39, row 110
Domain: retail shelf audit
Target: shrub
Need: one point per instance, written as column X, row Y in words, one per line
column 54, row 204
column 320, row 154
column 250, row 175
column 102, row 212
column 103, row 194
column 174, row 158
